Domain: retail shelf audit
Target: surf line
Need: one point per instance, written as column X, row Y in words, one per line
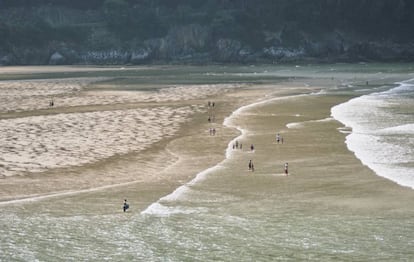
column 154, row 208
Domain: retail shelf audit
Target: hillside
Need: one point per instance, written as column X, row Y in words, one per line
column 204, row 31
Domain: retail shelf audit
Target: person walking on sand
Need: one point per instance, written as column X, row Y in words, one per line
column 126, row 205
column 250, row 165
column 286, row 168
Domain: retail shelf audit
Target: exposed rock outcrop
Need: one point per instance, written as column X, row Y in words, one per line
column 110, row 57
column 140, row 56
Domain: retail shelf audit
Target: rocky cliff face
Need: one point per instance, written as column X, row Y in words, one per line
column 227, row 32
column 194, row 44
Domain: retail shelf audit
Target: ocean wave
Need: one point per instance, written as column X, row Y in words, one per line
column 407, row 129
column 380, row 137
column 301, row 124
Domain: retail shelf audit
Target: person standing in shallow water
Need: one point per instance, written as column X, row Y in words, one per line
column 126, row 205
column 286, row 168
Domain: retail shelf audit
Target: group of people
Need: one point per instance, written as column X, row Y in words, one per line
column 211, row 114
column 236, row 145
column 251, row 167
column 211, row 117
column 279, row 139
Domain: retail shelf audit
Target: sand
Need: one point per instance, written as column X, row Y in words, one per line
column 147, row 144
column 94, row 138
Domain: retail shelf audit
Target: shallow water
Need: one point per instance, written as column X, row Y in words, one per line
column 225, row 213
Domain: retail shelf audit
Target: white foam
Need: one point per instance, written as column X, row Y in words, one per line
column 402, row 86
column 294, row 125
column 301, row 124
column 178, row 193
column 381, row 139
column 407, row 129
column 387, row 160
column 158, row 209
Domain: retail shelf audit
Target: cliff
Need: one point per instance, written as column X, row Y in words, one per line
column 195, row 31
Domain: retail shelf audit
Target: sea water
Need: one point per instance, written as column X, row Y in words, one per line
column 383, row 131
column 217, row 217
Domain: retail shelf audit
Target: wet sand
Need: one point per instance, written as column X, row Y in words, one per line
column 94, row 139
column 323, row 174
column 191, row 195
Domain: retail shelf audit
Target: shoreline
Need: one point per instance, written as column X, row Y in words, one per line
column 162, row 148
column 359, row 133
column 157, row 207
column 185, row 171
column 190, row 194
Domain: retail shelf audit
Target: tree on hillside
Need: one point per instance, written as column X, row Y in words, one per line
column 116, row 13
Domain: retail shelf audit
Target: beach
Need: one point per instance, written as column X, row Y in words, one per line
column 145, row 135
